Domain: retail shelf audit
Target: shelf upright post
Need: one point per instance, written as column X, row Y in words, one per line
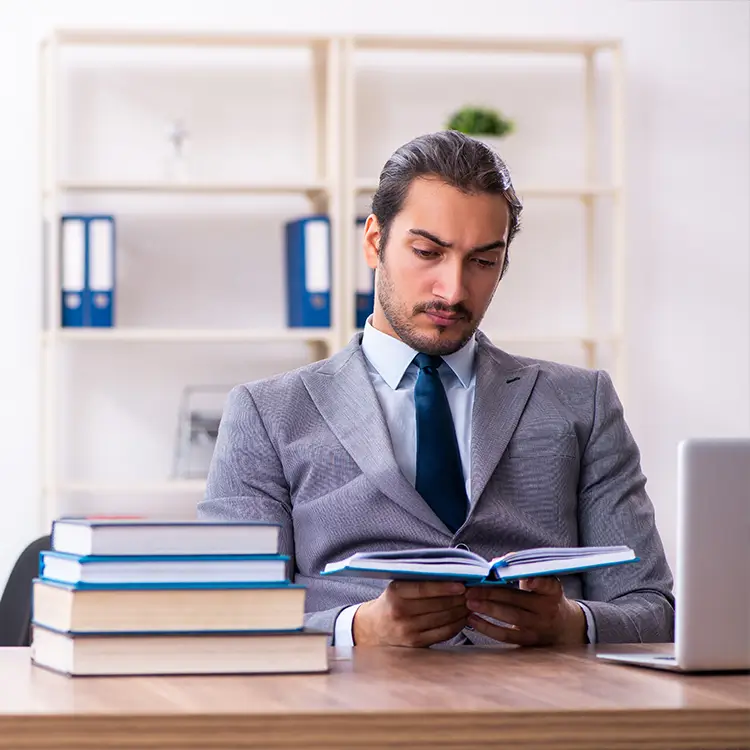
column 348, row 186
column 589, row 207
column 49, row 100
column 322, row 201
column 339, row 150
column 618, row 215
column 320, row 52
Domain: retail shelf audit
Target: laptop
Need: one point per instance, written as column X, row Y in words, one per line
column 712, row 580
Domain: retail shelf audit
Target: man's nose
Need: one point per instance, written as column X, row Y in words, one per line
column 451, row 286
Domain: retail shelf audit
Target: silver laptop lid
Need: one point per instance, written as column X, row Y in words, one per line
column 712, row 580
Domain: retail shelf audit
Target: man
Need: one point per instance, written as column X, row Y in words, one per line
column 421, row 433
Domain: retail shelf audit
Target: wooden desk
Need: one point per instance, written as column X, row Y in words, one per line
column 383, row 698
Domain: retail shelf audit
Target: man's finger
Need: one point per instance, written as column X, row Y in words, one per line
column 432, row 620
column 443, row 633
column 547, row 585
column 412, row 607
column 427, row 589
column 528, row 600
column 519, row 637
column 521, row 618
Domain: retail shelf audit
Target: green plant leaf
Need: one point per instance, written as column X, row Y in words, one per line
column 474, row 120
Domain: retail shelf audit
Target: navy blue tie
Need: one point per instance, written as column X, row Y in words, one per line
column 440, row 479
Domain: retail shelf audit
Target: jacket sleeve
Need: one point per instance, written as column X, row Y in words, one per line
column 246, row 482
column 631, row 602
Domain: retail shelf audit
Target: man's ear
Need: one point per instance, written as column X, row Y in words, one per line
column 371, row 241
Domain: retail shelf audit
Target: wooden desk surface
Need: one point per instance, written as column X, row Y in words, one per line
column 383, row 698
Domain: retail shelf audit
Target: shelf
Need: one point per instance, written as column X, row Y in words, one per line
column 299, row 188
column 166, row 487
column 145, row 37
column 484, row 44
column 194, row 188
column 187, row 335
column 324, row 335
column 500, row 338
column 566, row 191
column 538, row 191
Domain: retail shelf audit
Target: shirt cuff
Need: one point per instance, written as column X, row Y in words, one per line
column 343, row 633
column 590, row 624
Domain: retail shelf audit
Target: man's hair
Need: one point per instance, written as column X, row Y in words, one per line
column 458, row 160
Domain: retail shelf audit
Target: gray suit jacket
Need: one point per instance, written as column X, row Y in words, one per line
column 553, row 464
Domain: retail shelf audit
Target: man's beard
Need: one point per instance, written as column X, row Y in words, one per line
column 408, row 332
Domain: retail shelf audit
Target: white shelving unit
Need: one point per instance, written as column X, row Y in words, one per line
column 334, row 189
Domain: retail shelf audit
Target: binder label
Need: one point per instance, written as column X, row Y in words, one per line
column 73, row 257
column 101, row 271
column 317, row 276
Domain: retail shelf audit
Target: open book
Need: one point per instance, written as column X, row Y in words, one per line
column 453, row 563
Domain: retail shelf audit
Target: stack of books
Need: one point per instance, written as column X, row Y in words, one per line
column 127, row 597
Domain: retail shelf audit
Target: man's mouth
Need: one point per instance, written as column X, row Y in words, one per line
column 443, row 318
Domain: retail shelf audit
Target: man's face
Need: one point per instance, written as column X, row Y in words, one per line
column 441, row 266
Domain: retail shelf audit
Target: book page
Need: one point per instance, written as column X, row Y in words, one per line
column 426, row 554
column 555, row 553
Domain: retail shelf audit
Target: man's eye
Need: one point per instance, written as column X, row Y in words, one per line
column 424, row 253
column 484, row 263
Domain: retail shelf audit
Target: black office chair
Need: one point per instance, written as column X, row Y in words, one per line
column 15, row 603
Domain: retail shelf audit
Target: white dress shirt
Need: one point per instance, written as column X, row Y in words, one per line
column 393, row 374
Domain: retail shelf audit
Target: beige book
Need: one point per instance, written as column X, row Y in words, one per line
column 148, row 609
column 176, row 654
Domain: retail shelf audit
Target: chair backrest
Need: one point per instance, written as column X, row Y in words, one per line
column 15, row 603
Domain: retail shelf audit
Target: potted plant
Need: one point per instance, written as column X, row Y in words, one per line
column 483, row 123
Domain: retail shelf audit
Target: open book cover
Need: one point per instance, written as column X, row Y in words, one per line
column 451, row 563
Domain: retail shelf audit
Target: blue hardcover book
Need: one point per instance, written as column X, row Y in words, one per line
column 365, row 295
column 111, row 569
column 308, row 272
column 462, row 565
column 74, row 300
column 100, row 270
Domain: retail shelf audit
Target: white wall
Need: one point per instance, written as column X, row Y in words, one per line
column 689, row 184
column 687, row 171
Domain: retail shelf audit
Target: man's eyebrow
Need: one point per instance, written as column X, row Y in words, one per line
column 498, row 245
column 431, row 237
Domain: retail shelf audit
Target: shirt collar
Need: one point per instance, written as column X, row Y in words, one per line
column 391, row 357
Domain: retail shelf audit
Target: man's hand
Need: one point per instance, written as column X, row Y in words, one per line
column 538, row 613
column 412, row 614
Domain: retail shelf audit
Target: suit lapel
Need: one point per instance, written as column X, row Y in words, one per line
column 503, row 388
column 343, row 394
